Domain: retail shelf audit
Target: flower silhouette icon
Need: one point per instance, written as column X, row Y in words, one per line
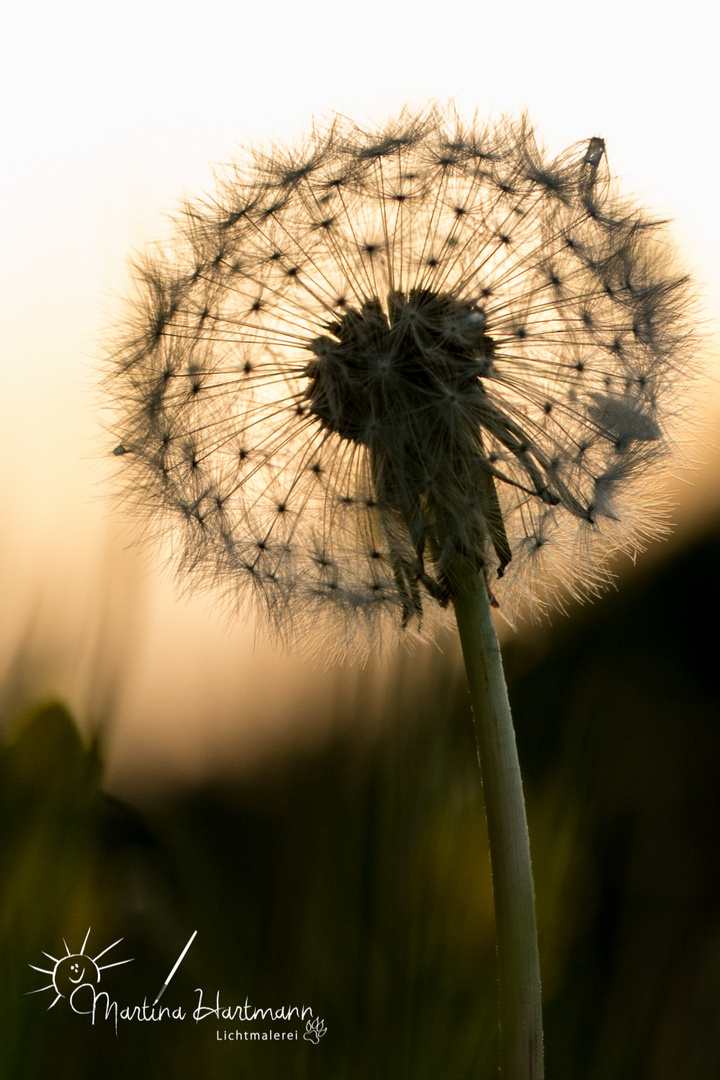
column 314, row 1030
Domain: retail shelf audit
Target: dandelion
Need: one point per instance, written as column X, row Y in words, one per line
column 393, row 374
column 385, row 353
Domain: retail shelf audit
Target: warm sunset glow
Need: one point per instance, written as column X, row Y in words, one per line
column 110, row 115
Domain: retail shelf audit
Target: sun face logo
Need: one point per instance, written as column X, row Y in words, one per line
column 74, row 969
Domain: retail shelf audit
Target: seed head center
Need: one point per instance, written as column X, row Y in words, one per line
column 380, row 373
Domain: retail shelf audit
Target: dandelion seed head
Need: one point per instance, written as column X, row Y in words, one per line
column 381, row 355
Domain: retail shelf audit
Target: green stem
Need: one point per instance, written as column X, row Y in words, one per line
column 521, row 1038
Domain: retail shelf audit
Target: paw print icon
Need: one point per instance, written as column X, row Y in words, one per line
column 314, row 1030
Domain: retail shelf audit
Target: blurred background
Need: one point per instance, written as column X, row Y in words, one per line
column 323, row 830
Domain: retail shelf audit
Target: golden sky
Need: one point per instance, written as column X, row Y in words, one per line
column 110, row 113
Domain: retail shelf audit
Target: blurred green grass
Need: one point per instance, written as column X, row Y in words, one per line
column 355, row 877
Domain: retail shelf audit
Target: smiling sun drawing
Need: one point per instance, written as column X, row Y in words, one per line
column 74, row 969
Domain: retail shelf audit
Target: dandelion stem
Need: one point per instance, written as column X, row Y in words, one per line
column 521, row 1038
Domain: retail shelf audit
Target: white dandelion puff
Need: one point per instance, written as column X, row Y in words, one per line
column 387, row 351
